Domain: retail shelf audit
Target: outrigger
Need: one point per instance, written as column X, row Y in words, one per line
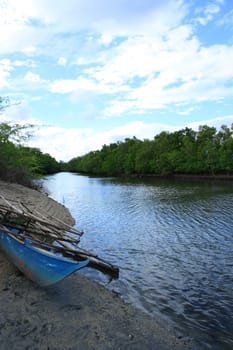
column 45, row 249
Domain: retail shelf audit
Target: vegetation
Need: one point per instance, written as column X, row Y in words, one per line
column 206, row 151
column 19, row 163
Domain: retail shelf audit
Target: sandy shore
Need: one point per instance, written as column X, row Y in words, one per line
column 76, row 313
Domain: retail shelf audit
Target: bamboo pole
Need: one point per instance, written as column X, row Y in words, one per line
column 69, row 227
column 30, row 216
column 95, row 261
column 39, row 215
column 35, row 222
column 34, row 227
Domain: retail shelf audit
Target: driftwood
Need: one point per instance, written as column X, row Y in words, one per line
column 48, row 233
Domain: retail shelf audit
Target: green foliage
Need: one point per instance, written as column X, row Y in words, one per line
column 19, row 163
column 206, row 151
column 38, row 163
column 15, row 133
column 11, row 167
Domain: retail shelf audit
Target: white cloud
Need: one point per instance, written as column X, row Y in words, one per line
column 61, row 143
column 21, row 38
column 215, row 122
column 5, row 69
column 119, row 16
column 32, row 81
column 157, row 73
column 70, row 85
column 186, row 111
column 32, row 77
column 62, row 61
column 209, row 13
column 13, row 12
column 147, row 68
column 24, row 63
column 64, row 144
column 31, row 25
column 106, row 39
column 19, row 113
column 83, row 84
column 126, row 57
column 117, row 108
column 227, row 19
column 28, row 50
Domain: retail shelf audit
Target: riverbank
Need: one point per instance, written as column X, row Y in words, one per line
column 214, row 177
column 180, row 176
column 76, row 313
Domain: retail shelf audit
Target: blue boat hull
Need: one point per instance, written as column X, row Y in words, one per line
column 41, row 266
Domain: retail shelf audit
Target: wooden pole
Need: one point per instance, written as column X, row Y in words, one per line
column 38, row 226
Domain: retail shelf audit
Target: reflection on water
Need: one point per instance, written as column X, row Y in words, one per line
column 172, row 240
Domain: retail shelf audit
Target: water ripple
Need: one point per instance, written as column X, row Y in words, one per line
column 173, row 242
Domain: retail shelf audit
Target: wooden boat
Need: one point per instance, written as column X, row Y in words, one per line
column 45, row 249
column 38, row 264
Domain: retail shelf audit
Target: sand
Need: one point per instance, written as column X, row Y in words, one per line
column 76, row 313
column 34, row 200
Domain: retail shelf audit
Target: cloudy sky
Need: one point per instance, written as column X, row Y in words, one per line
column 92, row 72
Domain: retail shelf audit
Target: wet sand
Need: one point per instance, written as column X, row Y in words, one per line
column 76, row 313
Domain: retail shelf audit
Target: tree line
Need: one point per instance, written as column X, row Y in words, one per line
column 206, row 151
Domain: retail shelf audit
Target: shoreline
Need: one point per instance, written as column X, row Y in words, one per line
column 215, row 177
column 76, row 313
column 220, row 177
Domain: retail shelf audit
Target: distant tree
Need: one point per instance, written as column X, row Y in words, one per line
column 144, row 158
column 205, row 151
column 225, row 149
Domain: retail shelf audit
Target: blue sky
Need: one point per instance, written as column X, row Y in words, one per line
column 92, row 72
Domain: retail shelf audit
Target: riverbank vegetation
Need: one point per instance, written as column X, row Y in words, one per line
column 207, row 151
column 19, row 163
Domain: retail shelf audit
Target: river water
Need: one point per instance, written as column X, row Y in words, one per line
column 173, row 242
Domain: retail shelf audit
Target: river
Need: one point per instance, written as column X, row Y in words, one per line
column 173, row 242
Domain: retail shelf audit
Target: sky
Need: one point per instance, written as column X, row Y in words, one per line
column 91, row 72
